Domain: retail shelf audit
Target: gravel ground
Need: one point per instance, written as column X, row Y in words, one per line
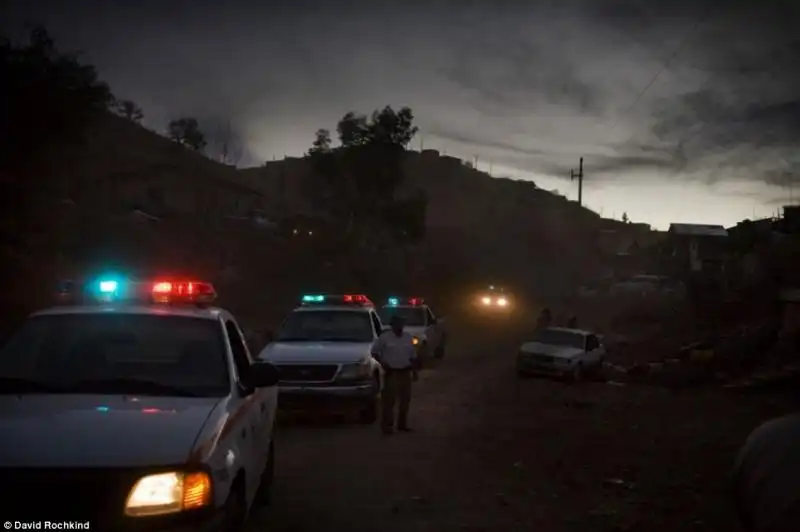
column 492, row 452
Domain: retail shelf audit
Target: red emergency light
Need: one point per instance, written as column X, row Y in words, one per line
column 183, row 292
column 416, row 301
column 355, row 298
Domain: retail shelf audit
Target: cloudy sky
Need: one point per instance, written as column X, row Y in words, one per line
column 683, row 110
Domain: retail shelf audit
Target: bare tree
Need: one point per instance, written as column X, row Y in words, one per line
column 128, row 109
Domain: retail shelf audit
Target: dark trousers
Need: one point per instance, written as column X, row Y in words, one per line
column 396, row 390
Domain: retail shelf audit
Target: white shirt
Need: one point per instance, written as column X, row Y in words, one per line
column 397, row 352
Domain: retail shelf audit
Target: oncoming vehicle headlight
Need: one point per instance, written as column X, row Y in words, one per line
column 359, row 370
column 415, row 340
column 167, row 493
column 486, row 300
column 502, row 302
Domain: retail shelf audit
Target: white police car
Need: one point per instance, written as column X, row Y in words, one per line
column 135, row 406
column 428, row 331
column 322, row 351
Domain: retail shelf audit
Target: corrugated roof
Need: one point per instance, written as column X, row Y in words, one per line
column 698, row 230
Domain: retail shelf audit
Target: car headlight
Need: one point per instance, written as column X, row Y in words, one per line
column 415, row 340
column 486, row 300
column 359, row 370
column 502, row 302
column 167, row 493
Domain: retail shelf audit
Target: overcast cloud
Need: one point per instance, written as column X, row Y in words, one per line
column 531, row 88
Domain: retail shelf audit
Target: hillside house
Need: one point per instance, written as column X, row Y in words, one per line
column 696, row 249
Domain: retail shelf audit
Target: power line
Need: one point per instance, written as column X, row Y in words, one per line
column 665, row 65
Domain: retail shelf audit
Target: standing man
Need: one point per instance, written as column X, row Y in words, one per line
column 395, row 351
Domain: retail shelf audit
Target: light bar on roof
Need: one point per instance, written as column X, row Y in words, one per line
column 414, row 301
column 344, row 299
column 121, row 290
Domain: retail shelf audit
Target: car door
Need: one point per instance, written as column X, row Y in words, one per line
column 593, row 354
column 255, row 426
column 432, row 331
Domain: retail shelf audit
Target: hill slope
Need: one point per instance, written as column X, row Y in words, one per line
column 130, row 199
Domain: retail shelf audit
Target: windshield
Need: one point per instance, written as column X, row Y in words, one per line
column 116, row 354
column 412, row 316
column 556, row 337
column 327, row 326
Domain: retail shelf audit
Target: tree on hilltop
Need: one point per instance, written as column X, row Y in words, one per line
column 186, row 132
column 128, row 109
column 357, row 181
column 48, row 98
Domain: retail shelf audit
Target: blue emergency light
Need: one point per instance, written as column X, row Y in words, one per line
column 108, row 287
column 394, row 301
column 313, row 298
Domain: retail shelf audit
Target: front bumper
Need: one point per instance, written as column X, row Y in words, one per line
column 293, row 396
column 531, row 367
column 354, row 391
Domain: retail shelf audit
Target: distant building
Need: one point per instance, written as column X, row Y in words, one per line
column 696, row 248
column 791, row 219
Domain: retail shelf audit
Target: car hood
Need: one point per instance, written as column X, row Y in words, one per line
column 315, row 352
column 418, row 331
column 557, row 351
column 99, row 430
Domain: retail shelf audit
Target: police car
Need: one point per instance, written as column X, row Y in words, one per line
column 420, row 322
column 322, row 351
column 135, row 406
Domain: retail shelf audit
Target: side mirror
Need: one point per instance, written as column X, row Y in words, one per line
column 262, row 375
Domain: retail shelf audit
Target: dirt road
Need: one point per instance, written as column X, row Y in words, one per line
column 495, row 453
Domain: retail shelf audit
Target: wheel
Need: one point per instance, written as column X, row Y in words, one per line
column 369, row 414
column 264, row 493
column 235, row 511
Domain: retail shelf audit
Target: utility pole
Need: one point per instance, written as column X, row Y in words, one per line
column 579, row 175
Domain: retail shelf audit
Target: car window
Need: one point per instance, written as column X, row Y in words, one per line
column 327, row 326
column 559, row 337
column 376, row 323
column 238, row 349
column 64, row 350
column 592, row 342
column 412, row 316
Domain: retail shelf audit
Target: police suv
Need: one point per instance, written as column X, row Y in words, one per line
column 135, row 406
column 428, row 331
column 322, row 351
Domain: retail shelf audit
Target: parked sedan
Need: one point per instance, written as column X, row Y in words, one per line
column 561, row 352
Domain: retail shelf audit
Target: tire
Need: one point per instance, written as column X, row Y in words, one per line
column 264, row 493
column 234, row 513
column 369, row 414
